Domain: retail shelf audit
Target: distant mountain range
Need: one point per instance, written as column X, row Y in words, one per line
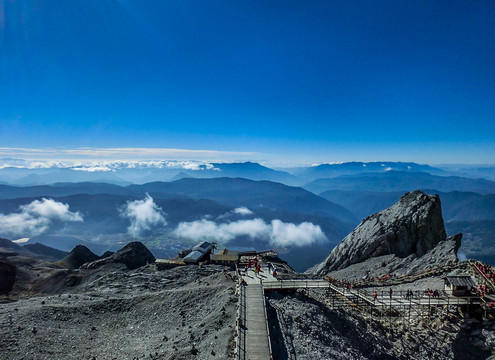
column 36, row 250
column 352, row 168
column 228, row 191
column 401, row 181
column 185, row 200
column 243, row 192
column 25, row 173
column 122, row 174
column 456, row 205
column 335, row 197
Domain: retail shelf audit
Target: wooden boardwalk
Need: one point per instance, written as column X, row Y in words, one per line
column 253, row 334
column 257, row 336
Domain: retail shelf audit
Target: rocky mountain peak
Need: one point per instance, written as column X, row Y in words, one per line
column 133, row 255
column 412, row 226
column 78, row 256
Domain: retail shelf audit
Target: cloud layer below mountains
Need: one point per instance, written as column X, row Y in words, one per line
column 107, row 165
column 36, row 218
column 143, row 215
column 277, row 232
column 64, row 155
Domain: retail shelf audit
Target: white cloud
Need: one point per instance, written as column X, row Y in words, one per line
column 277, row 232
column 51, row 209
column 198, row 230
column 252, row 228
column 36, row 218
column 143, row 215
column 328, row 163
column 97, row 168
column 23, row 224
column 289, row 234
column 225, row 232
column 242, row 211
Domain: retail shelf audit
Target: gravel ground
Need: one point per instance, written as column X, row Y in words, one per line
column 308, row 330
column 182, row 313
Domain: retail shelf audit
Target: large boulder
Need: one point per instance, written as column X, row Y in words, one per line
column 412, row 226
column 7, row 276
column 78, row 256
column 133, row 255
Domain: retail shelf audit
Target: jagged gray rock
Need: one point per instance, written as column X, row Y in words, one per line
column 412, row 226
column 133, row 255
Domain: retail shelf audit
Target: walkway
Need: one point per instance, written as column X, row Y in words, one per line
column 254, row 338
column 253, row 334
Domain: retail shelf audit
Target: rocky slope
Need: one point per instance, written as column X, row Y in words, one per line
column 307, row 328
column 118, row 307
column 114, row 313
column 411, row 227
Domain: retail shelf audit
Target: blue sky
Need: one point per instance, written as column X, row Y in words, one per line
column 285, row 82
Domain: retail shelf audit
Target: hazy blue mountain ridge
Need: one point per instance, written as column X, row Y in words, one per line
column 142, row 174
column 253, row 194
column 125, row 173
column 401, row 181
column 357, row 167
column 456, row 205
column 36, row 250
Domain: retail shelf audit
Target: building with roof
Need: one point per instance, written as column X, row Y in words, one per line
column 199, row 253
column 225, row 257
column 204, row 247
column 462, row 285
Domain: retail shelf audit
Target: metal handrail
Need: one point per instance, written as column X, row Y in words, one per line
column 483, row 276
column 266, row 324
column 241, row 319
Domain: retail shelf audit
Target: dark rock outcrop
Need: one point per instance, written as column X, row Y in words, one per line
column 107, row 254
column 411, row 227
column 133, row 255
column 78, row 256
column 7, row 276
